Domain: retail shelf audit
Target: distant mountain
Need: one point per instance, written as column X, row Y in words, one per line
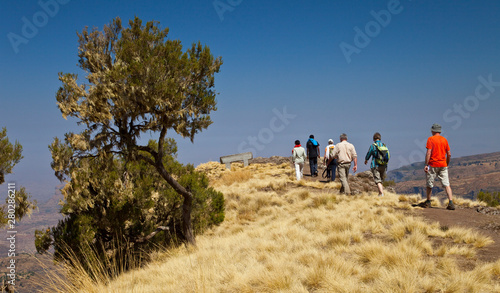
column 468, row 176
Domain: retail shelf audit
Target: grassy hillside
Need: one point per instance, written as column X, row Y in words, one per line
column 281, row 235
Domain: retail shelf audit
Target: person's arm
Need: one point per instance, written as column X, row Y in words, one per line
column 355, row 168
column 368, row 154
column 427, row 159
column 448, row 158
column 319, row 154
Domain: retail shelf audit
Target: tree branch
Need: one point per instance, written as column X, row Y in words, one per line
column 146, row 159
column 161, row 142
column 146, row 238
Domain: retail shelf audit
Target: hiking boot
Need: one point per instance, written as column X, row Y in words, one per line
column 451, row 206
column 425, row 204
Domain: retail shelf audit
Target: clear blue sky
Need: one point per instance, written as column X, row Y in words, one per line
column 291, row 68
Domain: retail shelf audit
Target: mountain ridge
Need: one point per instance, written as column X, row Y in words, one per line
column 468, row 176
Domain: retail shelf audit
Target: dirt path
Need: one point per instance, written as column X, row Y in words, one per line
column 469, row 218
column 486, row 224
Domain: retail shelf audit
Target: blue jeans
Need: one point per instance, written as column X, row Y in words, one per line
column 313, row 165
column 333, row 169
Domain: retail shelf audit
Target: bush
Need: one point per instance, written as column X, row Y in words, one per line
column 492, row 199
column 388, row 183
column 114, row 205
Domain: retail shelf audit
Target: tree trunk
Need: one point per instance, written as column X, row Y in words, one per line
column 187, row 204
column 187, row 227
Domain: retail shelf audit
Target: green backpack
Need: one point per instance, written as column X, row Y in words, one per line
column 382, row 156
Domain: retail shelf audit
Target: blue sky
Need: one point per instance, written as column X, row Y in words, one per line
column 291, row 68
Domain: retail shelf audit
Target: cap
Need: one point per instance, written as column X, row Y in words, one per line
column 436, row 127
column 330, row 140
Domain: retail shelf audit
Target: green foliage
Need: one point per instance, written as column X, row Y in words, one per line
column 10, row 155
column 388, row 183
column 116, row 204
column 492, row 199
column 139, row 82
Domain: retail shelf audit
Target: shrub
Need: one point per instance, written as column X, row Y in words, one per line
column 388, row 183
column 112, row 205
column 492, row 199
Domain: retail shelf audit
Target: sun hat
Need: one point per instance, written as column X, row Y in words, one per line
column 436, row 127
column 330, row 140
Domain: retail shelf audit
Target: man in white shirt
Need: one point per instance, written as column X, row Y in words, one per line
column 330, row 161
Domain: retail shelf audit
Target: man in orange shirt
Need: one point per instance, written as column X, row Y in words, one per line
column 437, row 160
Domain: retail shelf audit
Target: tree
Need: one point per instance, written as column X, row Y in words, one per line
column 10, row 155
column 492, row 199
column 139, row 82
column 118, row 206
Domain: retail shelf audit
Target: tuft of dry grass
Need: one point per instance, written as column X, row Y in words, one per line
column 228, row 178
column 280, row 235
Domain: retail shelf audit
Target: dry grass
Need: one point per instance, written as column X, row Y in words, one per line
column 281, row 235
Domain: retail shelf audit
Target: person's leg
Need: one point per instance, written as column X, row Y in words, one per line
column 301, row 170
column 311, row 166
column 333, row 167
column 315, row 166
column 429, row 193
column 380, row 189
column 445, row 181
column 343, row 178
column 297, row 171
column 430, row 177
column 449, row 193
column 383, row 171
column 347, row 187
column 442, row 174
column 377, row 176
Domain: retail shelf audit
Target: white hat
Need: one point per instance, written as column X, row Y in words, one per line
column 330, row 140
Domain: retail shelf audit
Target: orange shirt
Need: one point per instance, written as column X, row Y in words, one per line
column 439, row 146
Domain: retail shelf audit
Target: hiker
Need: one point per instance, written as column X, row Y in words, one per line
column 437, row 160
column 330, row 161
column 380, row 156
column 298, row 158
column 313, row 155
column 345, row 153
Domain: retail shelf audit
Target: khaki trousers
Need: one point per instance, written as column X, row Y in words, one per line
column 344, row 177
